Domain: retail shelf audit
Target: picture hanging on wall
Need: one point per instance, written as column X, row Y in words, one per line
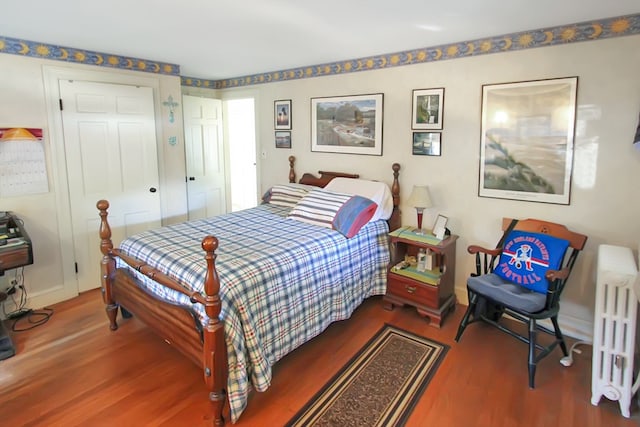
column 428, row 109
column 283, row 139
column 282, row 114
column 427, row 143
column 347, row 124
column 527, row 140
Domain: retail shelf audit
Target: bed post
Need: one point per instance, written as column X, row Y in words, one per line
column 292, row 172
column 214, row 349
column 107, row 265
column 395, row 220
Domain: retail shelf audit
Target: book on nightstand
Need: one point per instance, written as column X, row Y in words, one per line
column 409, row 233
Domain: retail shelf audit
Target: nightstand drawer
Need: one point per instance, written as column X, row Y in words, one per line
column 412, row 290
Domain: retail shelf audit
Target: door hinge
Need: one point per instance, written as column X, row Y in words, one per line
column 60, row 104
column 76, row 266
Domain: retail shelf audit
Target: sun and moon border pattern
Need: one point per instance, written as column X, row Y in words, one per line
column 585, row 31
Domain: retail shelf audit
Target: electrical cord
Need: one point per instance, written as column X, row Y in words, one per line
column 568, row 360
column 34, row 317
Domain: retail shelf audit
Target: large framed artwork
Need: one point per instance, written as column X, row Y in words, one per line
column 427, row 108
column 347, row 124
column 526, row 150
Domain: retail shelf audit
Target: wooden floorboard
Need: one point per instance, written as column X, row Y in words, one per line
column 73, row 371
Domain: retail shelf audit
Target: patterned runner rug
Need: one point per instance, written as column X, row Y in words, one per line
column 379, row 386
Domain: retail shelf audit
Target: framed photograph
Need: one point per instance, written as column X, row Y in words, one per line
column 347, row 124
column 428, row 109
column 282, row 114
column 440, row 226
column 283, row 139
column 427, row 143
column 526, row 148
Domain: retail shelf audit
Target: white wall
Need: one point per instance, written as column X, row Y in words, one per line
column 604, row 203
column 24, row 87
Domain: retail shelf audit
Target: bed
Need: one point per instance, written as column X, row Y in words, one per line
column 236, row 292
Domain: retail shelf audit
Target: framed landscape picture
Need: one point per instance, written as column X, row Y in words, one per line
column 347, row 124
column 283, row 139
column 527, row 137
column 427, row 109
column 282, row 114
column 427, row 143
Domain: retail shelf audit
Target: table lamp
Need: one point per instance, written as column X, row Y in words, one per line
column 420, row 199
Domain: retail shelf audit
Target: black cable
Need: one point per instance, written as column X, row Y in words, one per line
column 34, row 317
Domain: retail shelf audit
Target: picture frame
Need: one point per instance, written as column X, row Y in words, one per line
column 283, row 139
column 282, row 114
column 347, row 124
column 427, row 144
column 427, row 110
column 440, row 226
column 527, row 140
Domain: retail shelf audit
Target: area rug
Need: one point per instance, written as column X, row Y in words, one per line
column 379, row 386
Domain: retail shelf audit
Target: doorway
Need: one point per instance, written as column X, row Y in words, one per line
column 241, row 139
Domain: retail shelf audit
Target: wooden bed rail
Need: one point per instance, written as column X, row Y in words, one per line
column 209, row 244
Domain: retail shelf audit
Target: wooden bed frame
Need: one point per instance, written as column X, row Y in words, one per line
column 178, row 324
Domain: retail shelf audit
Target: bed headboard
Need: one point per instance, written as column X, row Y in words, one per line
column 325, row 177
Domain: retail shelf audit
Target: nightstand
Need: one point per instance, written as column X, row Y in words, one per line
column 431, row 292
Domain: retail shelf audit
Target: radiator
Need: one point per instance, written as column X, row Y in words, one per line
column 612, row 372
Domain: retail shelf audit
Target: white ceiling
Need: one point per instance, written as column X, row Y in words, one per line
column 219, row 39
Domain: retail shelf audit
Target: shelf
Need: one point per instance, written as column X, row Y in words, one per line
column 431, row 277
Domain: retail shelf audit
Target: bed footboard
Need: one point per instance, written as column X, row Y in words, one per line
column 176, row 324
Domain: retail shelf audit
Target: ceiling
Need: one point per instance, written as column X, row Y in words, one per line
column 220, row 39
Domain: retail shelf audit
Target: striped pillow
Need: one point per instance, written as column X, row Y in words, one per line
column 285, row 195
column 344, row 213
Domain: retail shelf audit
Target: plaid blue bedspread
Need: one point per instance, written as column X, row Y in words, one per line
column 282, row 281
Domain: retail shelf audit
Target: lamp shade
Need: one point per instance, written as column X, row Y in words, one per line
column 420, row 197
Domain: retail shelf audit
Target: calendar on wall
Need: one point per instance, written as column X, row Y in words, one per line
column 23, row 167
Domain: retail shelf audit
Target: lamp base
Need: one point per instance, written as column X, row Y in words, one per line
column 420, row 231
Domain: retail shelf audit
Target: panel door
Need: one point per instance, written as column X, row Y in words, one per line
column 111, row 152
column 206, row 179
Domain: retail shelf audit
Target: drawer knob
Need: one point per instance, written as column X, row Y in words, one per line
column 410, row 289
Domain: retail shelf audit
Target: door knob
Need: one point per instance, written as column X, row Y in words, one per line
column 152, row 190
column 192, row 178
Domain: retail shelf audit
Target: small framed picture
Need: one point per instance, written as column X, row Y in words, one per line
column 282, row 114
column 427, row 143
column 440, row 226
column 428, row 109
column 283, row 139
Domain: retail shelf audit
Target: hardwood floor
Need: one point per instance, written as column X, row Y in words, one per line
column 73, row 371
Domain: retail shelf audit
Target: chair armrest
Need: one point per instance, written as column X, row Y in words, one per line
column 552, row 275
column 473, row 249
column 484, row 263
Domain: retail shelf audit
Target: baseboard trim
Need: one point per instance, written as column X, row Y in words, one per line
column 571, row 326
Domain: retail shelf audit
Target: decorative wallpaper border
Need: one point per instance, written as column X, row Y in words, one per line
column 586, row 31
column 79, row 56
column 571, row 33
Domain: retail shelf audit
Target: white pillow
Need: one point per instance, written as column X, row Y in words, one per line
column 377, row 191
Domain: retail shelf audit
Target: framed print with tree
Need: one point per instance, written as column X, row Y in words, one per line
column 427, row 143
column 347, row 124
column 283, row 139
column 428, row 109
column 282, row 114
column 526, row 150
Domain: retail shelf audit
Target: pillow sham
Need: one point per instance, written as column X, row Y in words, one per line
column 286, row 194
column 377, row 191
column 344, row 213
column 526, row 257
